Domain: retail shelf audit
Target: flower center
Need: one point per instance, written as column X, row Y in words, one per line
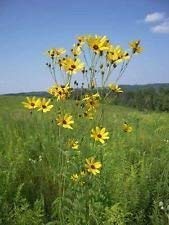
column 64, row 122
column 44, row 106
column 32, row 104
column 99, row 136
column 73, row 66
column 95, row 47
column 91, row 102
column 93, row 166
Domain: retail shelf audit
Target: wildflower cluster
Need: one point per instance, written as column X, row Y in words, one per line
column 95, row 58
column 38, row 103
column 97, row 66
column 96, row 69
column 61, row 92
column 91, row 102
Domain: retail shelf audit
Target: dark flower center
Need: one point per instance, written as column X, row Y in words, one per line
column 44, row 106
column 32, row 104
column 91, row 102
column 95, row 47
column 99, row 136
column 93, row 166
column 64, row 122
column 73, row 66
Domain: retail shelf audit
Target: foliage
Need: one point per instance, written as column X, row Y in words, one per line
column 145, row 99
column 135, row 174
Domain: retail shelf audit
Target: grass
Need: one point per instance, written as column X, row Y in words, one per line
column 36, row 166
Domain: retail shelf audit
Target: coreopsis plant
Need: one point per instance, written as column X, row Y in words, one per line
column 91, row 61
column 43, row 105
column 65, row 121
column 93, row 56
column 100, row 134
column 91, row 102
column 61, row 92
column 55, row 52
column 93, row 166
column 74, row 177
column 73, row 144
column 127, row 128
column 31, row 103
column 135, row 46
column 115, row 88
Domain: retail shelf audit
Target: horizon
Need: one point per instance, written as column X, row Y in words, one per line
column 46, row 91
column 28, row 29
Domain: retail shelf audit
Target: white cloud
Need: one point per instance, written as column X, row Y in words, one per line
column 154, row 17
column 160, row 22
column 161, row 28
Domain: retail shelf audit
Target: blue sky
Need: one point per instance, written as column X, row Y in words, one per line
column 29, row 27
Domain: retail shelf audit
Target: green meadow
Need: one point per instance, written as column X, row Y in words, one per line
column 36, row 167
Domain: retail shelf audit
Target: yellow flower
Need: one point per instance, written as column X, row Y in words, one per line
column 127, row 128
column 43, row 105
column 73, row 144
column 61, row 92
column 88, row 115
column 116, row 54
column 97, row 43
column 135, row 46
column 91, row 101
column 82, row 173
column 100, row 134
column 92, row 166
column 74, row 177
column 115, row 88
column 81, row 39
column 78, row 177
column 56, row 52
column 31, row 103
column 71, row 66
column 91, row 104
column 76, row 50
column 65, row 121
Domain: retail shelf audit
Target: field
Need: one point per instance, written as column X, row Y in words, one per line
column 37, row 185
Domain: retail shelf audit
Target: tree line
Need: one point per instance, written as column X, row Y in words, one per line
column 144, row 99
column 153, row 97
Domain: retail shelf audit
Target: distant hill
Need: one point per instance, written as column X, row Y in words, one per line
column 144, row 86
column 32, row 93
column 125, row 87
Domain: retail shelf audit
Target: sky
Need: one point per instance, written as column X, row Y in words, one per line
column 30, row 27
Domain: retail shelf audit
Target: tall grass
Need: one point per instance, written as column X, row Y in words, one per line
column 36, row 168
